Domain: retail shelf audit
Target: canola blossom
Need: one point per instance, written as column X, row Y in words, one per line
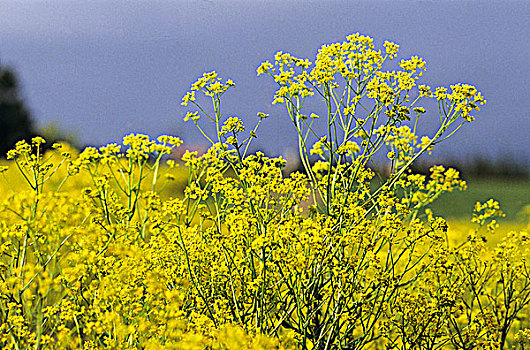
column 124, row 247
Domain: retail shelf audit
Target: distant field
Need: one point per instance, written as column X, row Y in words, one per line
column 512, row 195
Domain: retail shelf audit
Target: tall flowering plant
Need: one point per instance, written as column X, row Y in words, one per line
column 96, row 253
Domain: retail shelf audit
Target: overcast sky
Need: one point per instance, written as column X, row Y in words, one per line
column 103, row 69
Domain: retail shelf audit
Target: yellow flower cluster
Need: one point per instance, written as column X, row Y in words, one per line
column 363, row 100
column 465, row 99
column 97, row 251
column 235, row 263
column 210, row 84
column 284, row 73
column 486, row 212
column 418, row 191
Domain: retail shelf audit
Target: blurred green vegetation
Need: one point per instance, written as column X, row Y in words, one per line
column 513, row 194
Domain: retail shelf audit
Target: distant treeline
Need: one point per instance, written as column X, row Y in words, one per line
column 506, row 167
column 16, row 121
column 482, row 167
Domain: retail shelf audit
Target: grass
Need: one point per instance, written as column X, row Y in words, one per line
column 512, row 194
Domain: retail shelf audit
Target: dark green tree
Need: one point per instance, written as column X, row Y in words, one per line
column 15, row 119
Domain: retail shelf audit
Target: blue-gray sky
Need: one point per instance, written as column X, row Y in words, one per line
column 103, row 69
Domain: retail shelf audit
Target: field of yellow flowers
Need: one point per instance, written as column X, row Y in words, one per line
column 122, row 247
